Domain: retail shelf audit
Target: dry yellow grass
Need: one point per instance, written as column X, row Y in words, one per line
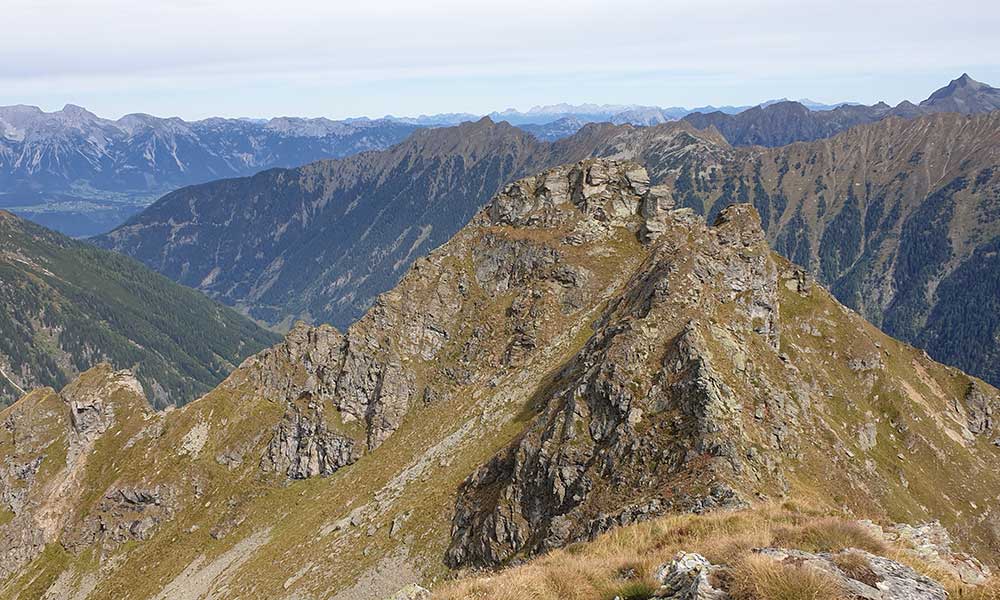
column 828, row 535
column 756, row 577
column 990, row 591
column 856, row 566
column 622, row 562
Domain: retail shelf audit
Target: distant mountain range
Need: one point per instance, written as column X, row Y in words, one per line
column 65, row 305
column 591, row 113
column 81, row 174
column 771, row 123
column 322, row 241
column 782, row 123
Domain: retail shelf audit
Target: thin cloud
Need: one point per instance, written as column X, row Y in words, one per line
column 455, row 55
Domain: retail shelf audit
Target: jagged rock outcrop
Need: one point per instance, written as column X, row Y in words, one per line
column 60, row 434
column 983, row 407
column 343, row 395
column 641, row 405
column 304, row 446
column 688, row 577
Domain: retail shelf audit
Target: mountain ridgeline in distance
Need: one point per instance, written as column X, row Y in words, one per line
column 73, row 171
column 898, row 217
column 776, row 122
column 321, row 241
column 66, row 305
column 782, row 123
column 582, row 355
column 83, row 175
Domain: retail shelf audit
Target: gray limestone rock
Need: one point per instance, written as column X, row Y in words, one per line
column 982, row 410
column 688, row 577
column 305, row 446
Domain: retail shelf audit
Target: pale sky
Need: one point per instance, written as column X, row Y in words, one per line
column 261, row 58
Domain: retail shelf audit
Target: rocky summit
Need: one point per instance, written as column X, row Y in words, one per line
column 582, row 356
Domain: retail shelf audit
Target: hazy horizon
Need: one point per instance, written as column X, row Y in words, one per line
column 195, row 59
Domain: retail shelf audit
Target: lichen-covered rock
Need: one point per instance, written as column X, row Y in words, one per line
column 688, row 577
column 932, row 544
column 411, row 592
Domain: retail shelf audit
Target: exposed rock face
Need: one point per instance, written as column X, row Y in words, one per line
column 318, row 367
column 304, row 447
column 124, row 514
column 982, row 407
column 687, row 577
column 642, row 406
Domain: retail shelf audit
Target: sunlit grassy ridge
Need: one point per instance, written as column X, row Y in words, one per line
column 623, row 563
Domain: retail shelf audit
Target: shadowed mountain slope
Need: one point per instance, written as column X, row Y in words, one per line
column 67, row 305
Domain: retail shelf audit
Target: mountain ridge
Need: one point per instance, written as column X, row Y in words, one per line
column 785, row 122
column 706, row 172
column 560, row 367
